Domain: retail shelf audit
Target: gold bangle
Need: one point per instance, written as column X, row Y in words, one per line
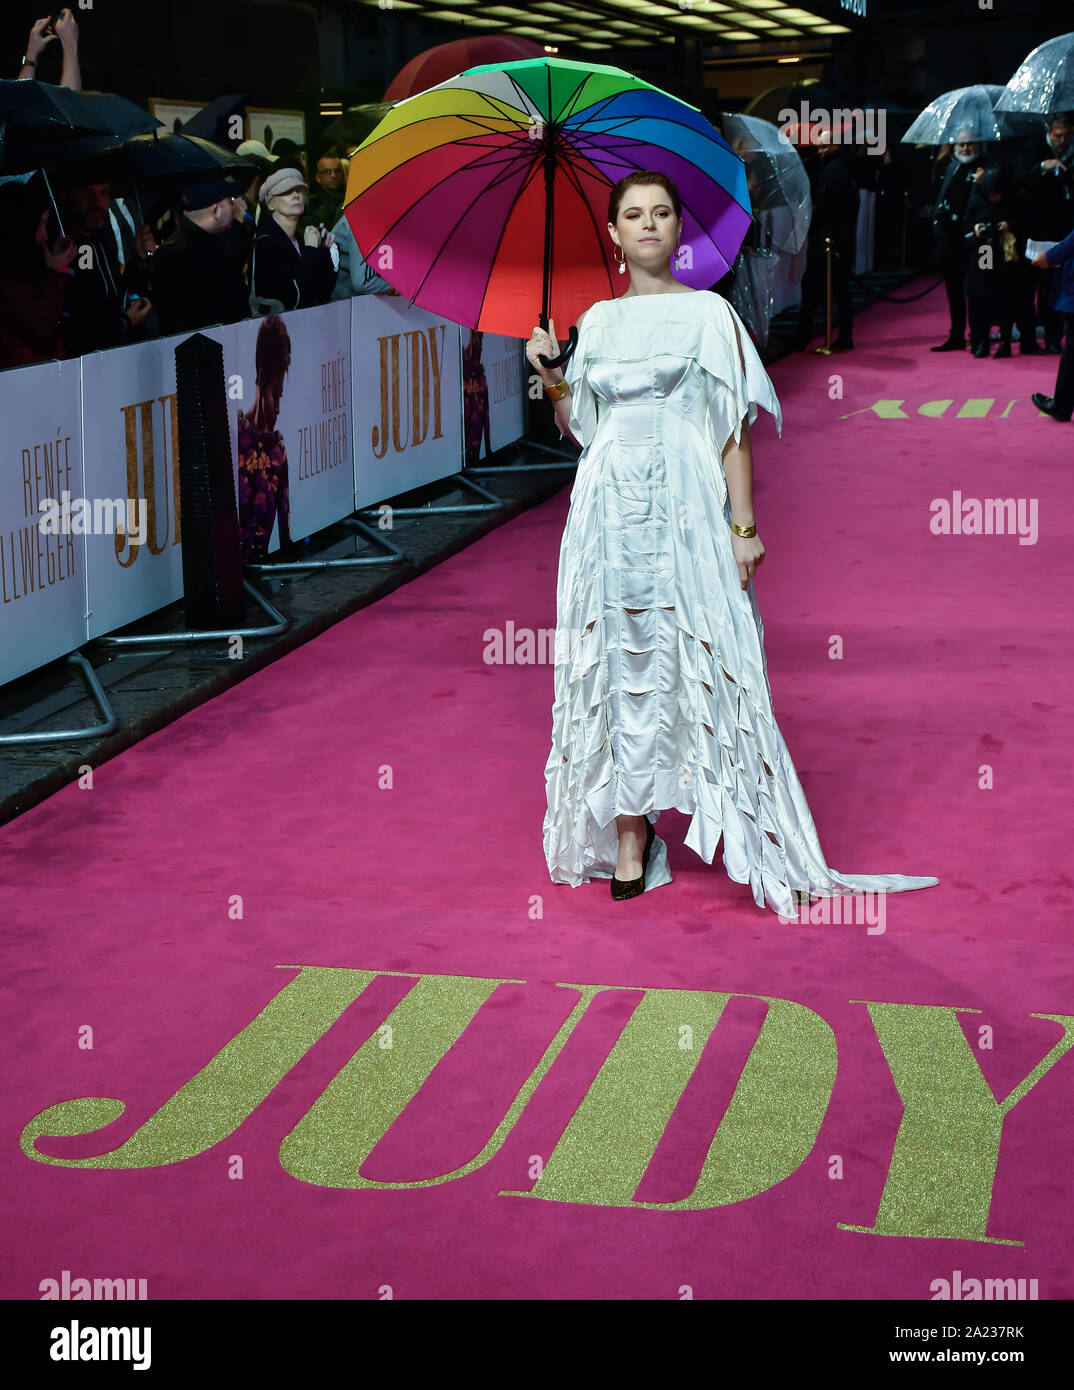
column 557, row 390
column 745, row 531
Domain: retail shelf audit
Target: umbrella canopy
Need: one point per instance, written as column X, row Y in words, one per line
column 158, row 160
column 41, row 123
column 1045, row 81
column 770, row 105
column 216, row 120
column 966, row 112
column 487, row 196
column 447, row 60
column 775, row 174
column 355, row 125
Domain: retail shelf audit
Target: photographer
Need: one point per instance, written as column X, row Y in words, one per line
column 997, row 275
column 285, row 272
column 949, row 246
column 63, row 27
column 1046, row 183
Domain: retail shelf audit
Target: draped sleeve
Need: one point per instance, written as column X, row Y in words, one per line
column 737, row 388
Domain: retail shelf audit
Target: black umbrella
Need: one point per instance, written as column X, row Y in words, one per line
column 40, row 124
column 37, row 120
column 160, row 162
column 161, row 159
column 213, row 122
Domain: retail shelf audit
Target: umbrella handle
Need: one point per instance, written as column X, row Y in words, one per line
column 566, row 354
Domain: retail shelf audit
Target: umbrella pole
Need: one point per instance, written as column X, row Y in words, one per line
column 138, row 203
column 546, row 271
column 52, row 200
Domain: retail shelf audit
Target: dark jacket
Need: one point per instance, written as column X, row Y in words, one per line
column 1062, row 255
column 1048, row 194
column 295, row 277
column 322, row 206
column 1003, row 274
column 197, row 280
column 835, row 201
column 949, row 208
column 93, row 317
column 30, row 308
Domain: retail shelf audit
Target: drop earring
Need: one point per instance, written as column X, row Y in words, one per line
column 622, row 262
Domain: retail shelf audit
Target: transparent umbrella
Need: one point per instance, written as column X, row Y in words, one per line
column 1045, row 81
column 777, row 178
column 968, row 113
column 782, row 209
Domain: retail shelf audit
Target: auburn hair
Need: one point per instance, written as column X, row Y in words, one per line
column 648, row 177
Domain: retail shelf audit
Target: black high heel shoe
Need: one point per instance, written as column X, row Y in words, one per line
column 631, row 887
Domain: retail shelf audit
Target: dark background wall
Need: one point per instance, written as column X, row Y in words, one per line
column 294, row 54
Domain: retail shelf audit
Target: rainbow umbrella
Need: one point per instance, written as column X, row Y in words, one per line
column 488, row 193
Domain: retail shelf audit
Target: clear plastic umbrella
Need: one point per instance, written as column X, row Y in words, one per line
column 776, row 175
column 968, row 113
column 782, row 209
column 1045, row 81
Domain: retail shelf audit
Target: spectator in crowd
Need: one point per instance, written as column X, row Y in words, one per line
column 197, row 276
column 35, row 278
column 43, row 32
column 325, row 203
column 243, row 229
column 997, row 278
column 835, row 214
column 108, row 303
column 254, row 152
column 355, row 276
column 1061, row 405
column 949, row 242
column 285, row 272
column 1046, row 182
column 288, row 155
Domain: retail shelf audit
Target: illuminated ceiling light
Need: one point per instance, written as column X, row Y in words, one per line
column 470, row 19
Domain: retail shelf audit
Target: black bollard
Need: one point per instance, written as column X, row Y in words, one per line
column 209, row 526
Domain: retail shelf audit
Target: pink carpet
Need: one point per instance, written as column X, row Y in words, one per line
column 375, row 800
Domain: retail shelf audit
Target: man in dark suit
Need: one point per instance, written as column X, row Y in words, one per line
column 835, row 214
column 949, row 245
column 1045, row 172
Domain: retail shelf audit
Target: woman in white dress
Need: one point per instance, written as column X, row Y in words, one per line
column 661, row 693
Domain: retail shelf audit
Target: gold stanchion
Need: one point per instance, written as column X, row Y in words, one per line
column 826, row 348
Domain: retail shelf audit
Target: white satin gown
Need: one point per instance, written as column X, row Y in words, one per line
column 670, row 706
